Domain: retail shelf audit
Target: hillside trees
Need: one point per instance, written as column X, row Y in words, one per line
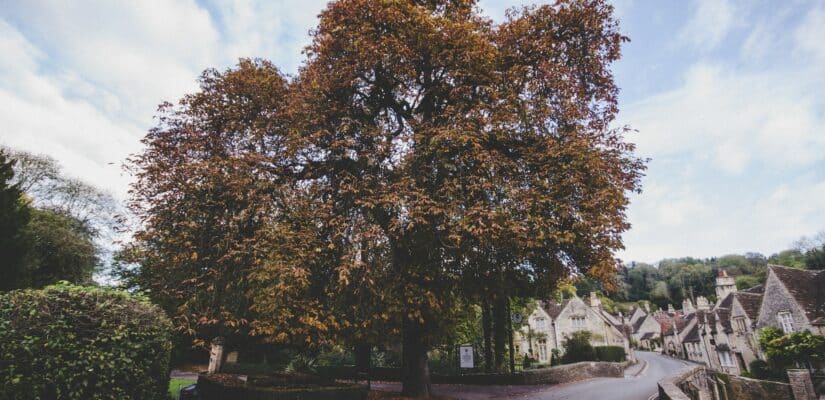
column 419, row 149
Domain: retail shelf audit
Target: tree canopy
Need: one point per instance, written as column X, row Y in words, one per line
column 420, row 144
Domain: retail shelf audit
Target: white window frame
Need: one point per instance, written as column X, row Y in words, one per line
column 579, row 322
column 542, row 350
column 540, row 323
column 726, row 359
column 785, row 320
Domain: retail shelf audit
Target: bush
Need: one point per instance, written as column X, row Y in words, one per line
column 72, row 342
column 577, row 348
column 759, row 369
column 609, row 353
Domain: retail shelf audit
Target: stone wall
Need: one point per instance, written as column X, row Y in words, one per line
column 701, row 384
column 542, row 376
column 737, row 387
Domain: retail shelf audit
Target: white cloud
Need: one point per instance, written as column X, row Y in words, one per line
column 810, row 33
column 737, row 117
column 711, row 22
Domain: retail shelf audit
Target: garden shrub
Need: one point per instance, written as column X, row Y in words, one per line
column 609, row 353
column 72, row 342
column 577, row 348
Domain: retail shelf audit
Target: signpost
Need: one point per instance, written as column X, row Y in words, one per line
column 466, row 356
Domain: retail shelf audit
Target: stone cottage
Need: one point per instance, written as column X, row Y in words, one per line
column 793, row 300
column 552, row 323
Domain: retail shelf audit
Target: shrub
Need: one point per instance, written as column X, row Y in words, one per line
column 72, row 342
column 609, row 353
column 578, row 348
column 759, row 369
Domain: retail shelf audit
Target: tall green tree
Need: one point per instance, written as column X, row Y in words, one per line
column 59, row 247
column 14, row 215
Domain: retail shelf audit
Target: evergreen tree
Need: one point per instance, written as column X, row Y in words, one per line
column 14, row 215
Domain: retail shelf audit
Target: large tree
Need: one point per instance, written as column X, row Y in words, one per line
column 420, row 148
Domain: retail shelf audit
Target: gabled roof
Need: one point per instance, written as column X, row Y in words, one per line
column 806, row 287
column 750, row 302
column 693, row 335
column 667, row 326
column 553, row 309
column 638, row 324
column 727, row 302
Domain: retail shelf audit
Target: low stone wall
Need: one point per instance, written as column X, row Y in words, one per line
column 701, row 384
column 213, row 388
column 737, row 387
column 671, row 387
column 543, row 376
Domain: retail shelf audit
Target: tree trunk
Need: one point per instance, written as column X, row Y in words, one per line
column 487, row 328
column 415, row 374
column 362, row 357
column 500, row 332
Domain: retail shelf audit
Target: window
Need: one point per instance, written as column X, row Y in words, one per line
column 540, row 323
column 785, row 321
column 579, row 322
column 725, row 359
column 741, row 326
column 542, row 350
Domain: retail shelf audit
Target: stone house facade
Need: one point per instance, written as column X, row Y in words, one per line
column 552, row 323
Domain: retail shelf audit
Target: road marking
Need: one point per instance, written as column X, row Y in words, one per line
column 654, row 396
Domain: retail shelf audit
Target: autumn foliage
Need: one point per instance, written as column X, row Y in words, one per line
column 420, row 148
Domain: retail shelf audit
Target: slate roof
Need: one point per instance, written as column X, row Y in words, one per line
column 750, row 302
column 648, row 336
column 807, row 288
column 727, row 302
column 638, row 324
column 755, row 289
column 681, row 322
column 553, row 309
column 693, row 335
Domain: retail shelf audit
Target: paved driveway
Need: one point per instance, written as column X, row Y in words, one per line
column 631, row 387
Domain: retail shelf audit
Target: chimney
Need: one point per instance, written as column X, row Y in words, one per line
column 670, row 309
column 725, row 285
column 687, row 306
column 594, row 300
column 702, row 303
column 647, row 307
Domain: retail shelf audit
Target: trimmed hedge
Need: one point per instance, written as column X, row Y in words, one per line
column 225, row 386
column 73, row 342
column 609, row 353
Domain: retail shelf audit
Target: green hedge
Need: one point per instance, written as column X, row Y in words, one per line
column 225, row 386
column 72, row 342
column 610, row 353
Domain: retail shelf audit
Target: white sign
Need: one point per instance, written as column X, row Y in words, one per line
column 466, row 356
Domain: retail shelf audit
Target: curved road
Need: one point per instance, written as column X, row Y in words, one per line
column 640, row 387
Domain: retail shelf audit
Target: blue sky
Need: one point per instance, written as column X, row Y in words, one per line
column 727, row 97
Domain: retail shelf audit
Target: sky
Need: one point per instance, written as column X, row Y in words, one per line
column 727, row 99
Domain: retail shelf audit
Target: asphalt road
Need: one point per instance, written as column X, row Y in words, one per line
column 640, row 387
